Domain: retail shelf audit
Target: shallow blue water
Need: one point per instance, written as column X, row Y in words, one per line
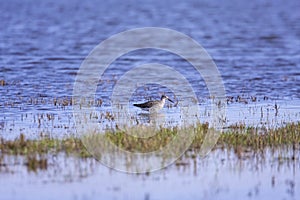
column 221, row 175
column 255, row 46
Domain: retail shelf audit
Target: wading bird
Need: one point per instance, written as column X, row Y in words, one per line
column 154, row 105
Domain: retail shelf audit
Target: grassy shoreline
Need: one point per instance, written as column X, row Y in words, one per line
column 238, row 138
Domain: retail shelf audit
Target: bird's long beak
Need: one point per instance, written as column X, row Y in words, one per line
column 170, row 100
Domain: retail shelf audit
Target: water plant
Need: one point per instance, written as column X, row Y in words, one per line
column 35, row 151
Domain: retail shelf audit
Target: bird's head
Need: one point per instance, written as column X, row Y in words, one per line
column 166, row 97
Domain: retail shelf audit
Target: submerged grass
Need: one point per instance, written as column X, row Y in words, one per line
column 36, row 152
column 259, row 138
column 23, row 146
column 239, row 138
column 254, row 138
